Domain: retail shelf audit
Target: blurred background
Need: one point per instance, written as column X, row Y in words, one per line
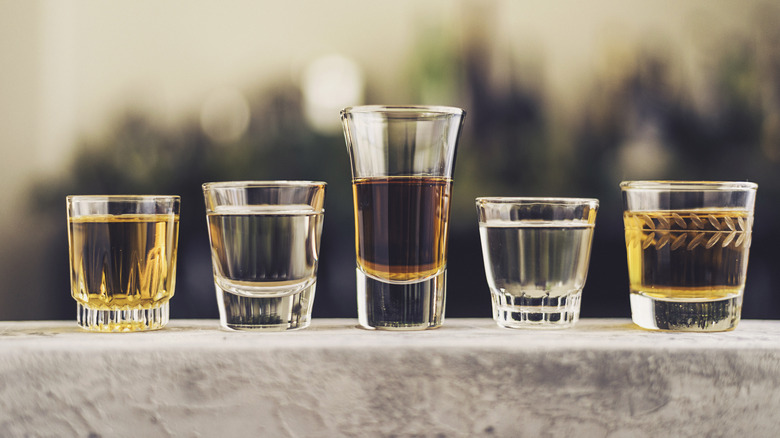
column 563, row 98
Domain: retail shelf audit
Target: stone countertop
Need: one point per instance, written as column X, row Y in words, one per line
column 605, row 377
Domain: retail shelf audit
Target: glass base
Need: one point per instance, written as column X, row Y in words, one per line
column 384, row 305
column 690, row 316
column 536, row 312
column 132, row 320
column 265, row 312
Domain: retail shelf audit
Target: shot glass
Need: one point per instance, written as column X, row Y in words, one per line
column 687, row 245
column 402, row 160
column 536, row 253
column 122, row 260
column 265, row 245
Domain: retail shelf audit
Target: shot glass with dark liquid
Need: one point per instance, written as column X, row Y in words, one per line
column 687, row 244
column 402, row 160
column 122, row 260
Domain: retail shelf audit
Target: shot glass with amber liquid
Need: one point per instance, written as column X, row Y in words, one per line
column 687, row 244
column 402, row 161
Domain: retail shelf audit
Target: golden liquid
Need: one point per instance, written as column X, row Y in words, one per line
column 121, row 262
column 401, row 226
column 696, row 255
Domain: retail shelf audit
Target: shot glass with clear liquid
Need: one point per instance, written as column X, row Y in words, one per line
column 536, row 253
column 122, row 260
column 402, row 161
column 265, row 244
column 687, row 245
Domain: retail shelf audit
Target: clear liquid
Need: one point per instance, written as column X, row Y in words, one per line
column 265, row 264
column 536, row 270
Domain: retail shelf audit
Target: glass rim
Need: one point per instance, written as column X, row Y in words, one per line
column 669, row 185
column 123, row 197
column 536, row 200
column 262, row 184
column 432, row 110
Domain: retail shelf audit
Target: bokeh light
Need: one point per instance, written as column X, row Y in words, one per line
column 225, row 115
column 329, row 84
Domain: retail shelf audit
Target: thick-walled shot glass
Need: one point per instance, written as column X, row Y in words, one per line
column 687, row 244
column 536, row 253
column 122, row 260
column 265, row 246
column 402, row 160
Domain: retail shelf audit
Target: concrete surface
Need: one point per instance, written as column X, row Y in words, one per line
column 604, row 378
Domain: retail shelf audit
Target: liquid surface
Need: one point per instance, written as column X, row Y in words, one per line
column 123, row 261
column 401, row 226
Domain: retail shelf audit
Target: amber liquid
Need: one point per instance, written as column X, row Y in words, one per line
column 694, row 254
column 401, row 226
column 121, row 262
column 689, row 266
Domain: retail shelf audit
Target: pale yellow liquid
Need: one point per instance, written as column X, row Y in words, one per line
column 123, row 262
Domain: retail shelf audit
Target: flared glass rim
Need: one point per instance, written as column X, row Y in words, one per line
column 429, row 110
column 251, row 184
column 536, row 200
column 668, row 185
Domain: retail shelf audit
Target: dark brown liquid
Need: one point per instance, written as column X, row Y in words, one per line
column 401, row 226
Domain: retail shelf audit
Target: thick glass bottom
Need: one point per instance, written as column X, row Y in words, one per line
column 265, row 312
column 547, row 312
column 690, row 316
column 385, row 305
column 131, row 320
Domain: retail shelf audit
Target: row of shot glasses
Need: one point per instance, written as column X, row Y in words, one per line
column 687, row 243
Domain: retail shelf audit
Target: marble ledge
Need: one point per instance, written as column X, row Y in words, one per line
column 605, row 377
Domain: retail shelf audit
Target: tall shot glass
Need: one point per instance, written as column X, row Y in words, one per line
column 402, row 161
column 687, row 244
column 536, row 253
column 122, row 260
column 265, row 245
